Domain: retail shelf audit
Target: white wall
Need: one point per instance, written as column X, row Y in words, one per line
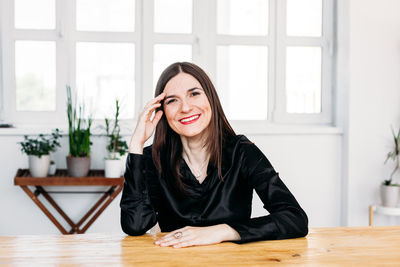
column 374, row 101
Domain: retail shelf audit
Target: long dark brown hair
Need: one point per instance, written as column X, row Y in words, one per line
column 168, row 142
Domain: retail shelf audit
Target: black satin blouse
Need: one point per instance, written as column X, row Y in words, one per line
column 147, row 199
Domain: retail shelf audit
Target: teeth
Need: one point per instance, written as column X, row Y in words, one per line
column 190, row 119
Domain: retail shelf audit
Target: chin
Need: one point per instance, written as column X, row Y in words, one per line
column 189, row 133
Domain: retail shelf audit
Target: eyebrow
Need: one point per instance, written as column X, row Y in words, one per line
column 188, row 91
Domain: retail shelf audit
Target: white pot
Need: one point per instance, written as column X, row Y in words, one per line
column 122, row 159
column 52, row 169
column 123, row 162
column 112, row 168
column 38, row 167
column 390, row 195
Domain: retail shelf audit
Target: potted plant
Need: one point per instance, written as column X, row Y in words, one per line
column 38, row 150
column 78, row 160
column 116, row 147
column 389, row 190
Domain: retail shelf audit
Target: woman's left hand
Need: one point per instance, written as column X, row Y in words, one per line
column 192, row 236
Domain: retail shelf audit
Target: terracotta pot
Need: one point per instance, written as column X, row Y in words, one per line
column 78, row 166
column 38, row 167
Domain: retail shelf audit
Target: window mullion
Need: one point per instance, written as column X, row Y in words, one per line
column 147, row 52
column 204, row 35
column 327, row 61
column 272, row 48
column 62, row 57
column 139, row 57
column 280, row 92
column 7, row 57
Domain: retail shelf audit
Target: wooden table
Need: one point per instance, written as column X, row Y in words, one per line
column 360, row 246
column 94, row 178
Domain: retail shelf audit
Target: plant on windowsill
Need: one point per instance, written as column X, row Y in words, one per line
column 389, row 190
column 116, row 147
column 38, row 150
column 78, row 160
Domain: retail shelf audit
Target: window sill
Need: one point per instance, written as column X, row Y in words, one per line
column 288, row 130
column 240, row 128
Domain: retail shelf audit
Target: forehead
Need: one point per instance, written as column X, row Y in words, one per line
column 181, row 83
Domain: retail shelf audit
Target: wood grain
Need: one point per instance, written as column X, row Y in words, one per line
column 61, row 178
column 356, row 246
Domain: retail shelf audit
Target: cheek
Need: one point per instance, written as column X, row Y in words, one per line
column 169, row 115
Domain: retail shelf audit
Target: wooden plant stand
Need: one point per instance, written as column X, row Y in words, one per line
column 61, row 178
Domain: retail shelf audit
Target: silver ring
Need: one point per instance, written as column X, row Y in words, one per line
column 178, row 235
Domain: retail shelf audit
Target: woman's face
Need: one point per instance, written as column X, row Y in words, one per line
column 186, row 106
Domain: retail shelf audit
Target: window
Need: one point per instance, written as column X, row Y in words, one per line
column 271, row 60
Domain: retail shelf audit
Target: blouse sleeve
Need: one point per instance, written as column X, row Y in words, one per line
column 286, row 219
column 137, row 212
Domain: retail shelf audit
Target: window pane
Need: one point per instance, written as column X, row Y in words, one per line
column 303, row 79
column 173, row 16
column 238, row 17
column 104, row 73
column 35, row 71
column 304, row 17
column 242, row 81
column 166, row 54
column 105, row 15
column 38, row 14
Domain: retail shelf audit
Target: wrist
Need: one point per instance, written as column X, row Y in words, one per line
column 229, row 234
column 136, row 148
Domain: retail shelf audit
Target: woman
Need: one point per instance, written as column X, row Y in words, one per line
column 197, row 178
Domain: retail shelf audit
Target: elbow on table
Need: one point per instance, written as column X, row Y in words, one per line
column 129, row 230
column 131, row 226
column 302, row 225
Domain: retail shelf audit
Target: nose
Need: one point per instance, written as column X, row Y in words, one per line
column 185, row 106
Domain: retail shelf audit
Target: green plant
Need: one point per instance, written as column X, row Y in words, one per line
column 79, row 129
column 115, row 144
column 41, row 145
column 394, row 155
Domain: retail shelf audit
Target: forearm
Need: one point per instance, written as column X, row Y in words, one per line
column 137, row 213
column 280, row 225
column 135, row 147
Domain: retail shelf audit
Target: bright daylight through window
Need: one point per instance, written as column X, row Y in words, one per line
column 271, row 60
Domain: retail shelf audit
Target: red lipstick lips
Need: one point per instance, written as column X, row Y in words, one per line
column 188, row 120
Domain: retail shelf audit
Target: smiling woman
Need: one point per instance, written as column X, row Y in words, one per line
column 185, row 107
column 169, row 183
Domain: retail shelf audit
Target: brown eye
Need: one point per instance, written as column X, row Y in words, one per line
column 170, row 101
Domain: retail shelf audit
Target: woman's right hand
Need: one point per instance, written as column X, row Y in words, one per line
column 145, row 127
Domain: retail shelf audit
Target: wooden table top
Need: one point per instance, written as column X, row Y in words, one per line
column 61, row 178
column 356, row 246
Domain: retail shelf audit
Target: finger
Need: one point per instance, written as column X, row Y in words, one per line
column 183, row 244
column 174, row 241
column 170, row 236
column 157, row 99
column 146, row 115
column 157, row 118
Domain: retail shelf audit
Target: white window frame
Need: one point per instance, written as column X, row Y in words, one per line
column 327, row 55
column 66, row 37
column 204, row 41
